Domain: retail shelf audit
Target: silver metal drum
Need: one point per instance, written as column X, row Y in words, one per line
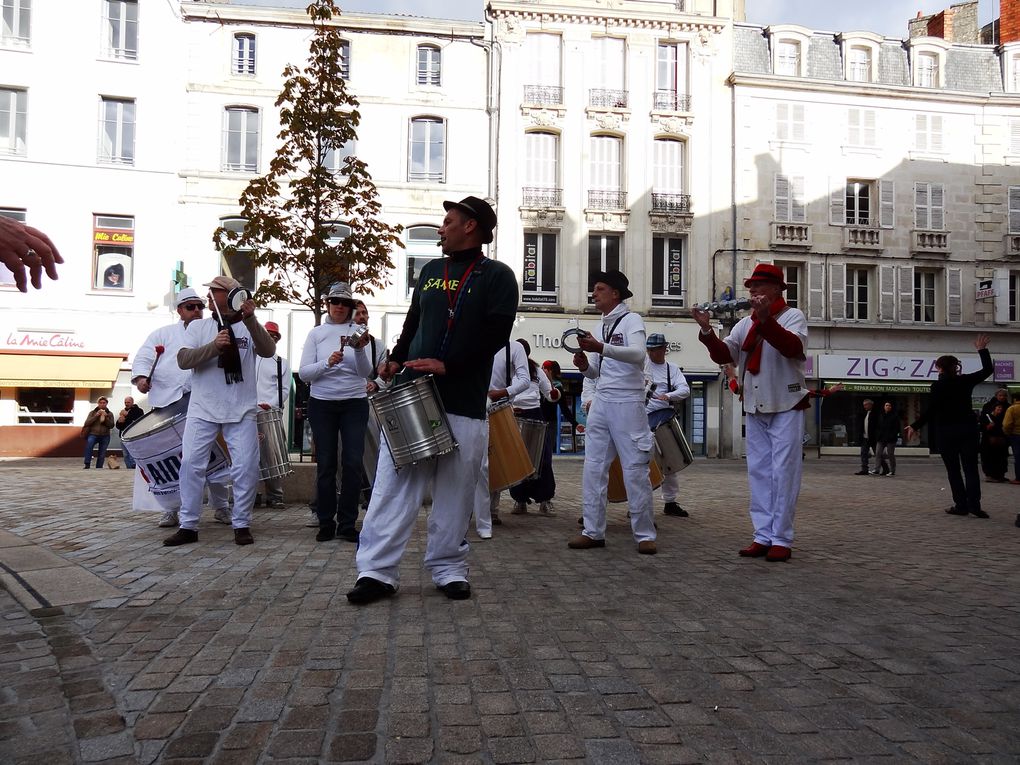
column 274, row 460
column 370, row 459
column 413, row 422
column 672, row 451
column 533, row 433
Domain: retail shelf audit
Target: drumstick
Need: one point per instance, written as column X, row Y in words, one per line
column 159, row 352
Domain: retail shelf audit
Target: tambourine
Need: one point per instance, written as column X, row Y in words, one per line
column 574, row 332
column 236, row 297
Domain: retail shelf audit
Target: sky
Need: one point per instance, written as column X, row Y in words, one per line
column 886, row 17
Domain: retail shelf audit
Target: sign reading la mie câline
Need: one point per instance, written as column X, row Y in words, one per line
column 62, row 340
column 897, row 367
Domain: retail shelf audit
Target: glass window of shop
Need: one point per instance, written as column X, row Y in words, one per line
column 45, row 406
column 841, row 413
column 113, row 238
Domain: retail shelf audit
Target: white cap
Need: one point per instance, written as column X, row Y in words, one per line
column 186, row 294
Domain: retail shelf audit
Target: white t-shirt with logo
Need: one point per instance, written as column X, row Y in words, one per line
column 212, row 399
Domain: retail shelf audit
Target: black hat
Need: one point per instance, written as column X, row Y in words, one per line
column 478, row 210
column 616, row 280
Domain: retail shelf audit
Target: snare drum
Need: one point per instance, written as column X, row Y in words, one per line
column 413, row 421
column 618, row 490
column 533, row 434
column 274, row 460
column 671, row 448
column 509, row 462
column 155, row 440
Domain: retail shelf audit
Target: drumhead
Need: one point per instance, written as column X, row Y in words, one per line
column 156, row 420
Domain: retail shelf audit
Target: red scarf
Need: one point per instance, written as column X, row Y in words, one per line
column 752, row 343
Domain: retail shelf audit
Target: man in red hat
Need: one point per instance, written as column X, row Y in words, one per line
column 273, row 381
column 768, row 349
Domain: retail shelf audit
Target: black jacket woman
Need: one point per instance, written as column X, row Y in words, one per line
column 888, row 431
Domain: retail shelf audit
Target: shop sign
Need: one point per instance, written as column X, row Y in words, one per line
column 123, row 238
column 1004, row 369
column 985, row 290
column 884, row 367
column 62, row 340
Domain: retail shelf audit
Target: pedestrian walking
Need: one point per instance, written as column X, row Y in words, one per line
column 886, row 435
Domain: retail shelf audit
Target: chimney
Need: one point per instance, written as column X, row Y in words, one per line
column 1009, row 21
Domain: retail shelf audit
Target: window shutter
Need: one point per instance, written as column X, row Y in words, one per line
column 921, row 132
column 869, row 128
column 797, row 213
column 906, row 294
column 798, row 122
column 1014, row 136
column 837, row 292
column 782, row 197
column 935, row 133
column 837, row 201
column 886, row 204
column 887, row 293
column 853, row 127
column 816, row 291
column 954, row 296
column 1014, row 209
column 782, row 122
column 922, row 212
column 1000, row 281
column 938, row 212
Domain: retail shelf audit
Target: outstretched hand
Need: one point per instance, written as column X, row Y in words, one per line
column 24, row 247
column 981, row 342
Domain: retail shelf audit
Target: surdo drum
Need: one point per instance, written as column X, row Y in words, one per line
column 672, row 451
column 274, row 461
column 617, row 491
column 413, row 422
column 509, row 460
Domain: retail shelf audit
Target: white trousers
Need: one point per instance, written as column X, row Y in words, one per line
column 617, row 429
column 774, row 465
column 397, row 499
column 670, row 487
column 484, row 501
column 243, row 444
column 219, row 497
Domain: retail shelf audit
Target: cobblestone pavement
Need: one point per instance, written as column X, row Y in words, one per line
column 894, row 634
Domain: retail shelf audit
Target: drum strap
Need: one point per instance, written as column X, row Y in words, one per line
column 279, row 379
column 507, row 349
column 607, row 336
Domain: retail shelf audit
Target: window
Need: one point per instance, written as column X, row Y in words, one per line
column 421, row 248
column 13, row 121
column 860, row 129
column 542, row 66
column 238, row 264
column 243, row 62
column 857, row 293
column 927, row 72
column 113, row 237
column 241, row 139
column 335, row 159
column 668, row 170
column 789, row 122
column 427, row 155
column 345, row 60
column 1013, row 195
column 541, row 169
column 1014, row 296
column 6, row 275
column 928, row 133
column 859, row 64
column 1013, row 73
column 605, row 189
column 787, row 58
column 117, row 131
column 45, row 406
column 603, row 255
column 924, row 296
column 669, row 283
column 1014, row 136
column 789, row 199
column 429, row 65
column 671, row 77
column 16, row 23
column 929, row 211
column 606, row 65
column 862, row 203
column 539, row 269
column 792, row 277
column 858, row 203
column 121, row 29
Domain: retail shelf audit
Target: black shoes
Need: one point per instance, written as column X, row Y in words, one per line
column 368, row 590
column 979, row 513
column 861, row 472
column 955, row 511
column 325, row 533
column 181, row 537
column 351, row 535
column 672, row 508
column 1017, row 521
column 975, row 513
column 455, row 590
column 243, row 537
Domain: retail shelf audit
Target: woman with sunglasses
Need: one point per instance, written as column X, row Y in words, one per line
column 336, row 367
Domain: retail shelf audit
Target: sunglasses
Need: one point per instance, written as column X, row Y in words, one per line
column 339, row 301
column 192, row 306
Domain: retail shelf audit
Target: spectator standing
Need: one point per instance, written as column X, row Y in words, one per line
column 128, row 415
column 887, row 433
column 868, row 422
column 96, row 430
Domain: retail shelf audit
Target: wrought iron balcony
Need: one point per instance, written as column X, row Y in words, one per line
column 603, row 199
column 607, row 99
column 533, row 196
column 671, row 101
column 543, row 95
column 671, row 203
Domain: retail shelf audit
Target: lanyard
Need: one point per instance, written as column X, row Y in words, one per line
column 451, row 299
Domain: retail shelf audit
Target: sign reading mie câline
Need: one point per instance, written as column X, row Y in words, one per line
column 61, row 340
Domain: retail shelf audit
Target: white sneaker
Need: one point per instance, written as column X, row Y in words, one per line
column 546, row 508
column 169, row 519
column 222, row 515
column 485, row 535
column 519, row 509
column 313, row 522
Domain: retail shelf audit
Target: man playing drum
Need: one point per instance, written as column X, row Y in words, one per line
column 273, row 386
column 155, row 372
column 221, row 351
column 670, row 386
column 462, row 312
column 617, row 424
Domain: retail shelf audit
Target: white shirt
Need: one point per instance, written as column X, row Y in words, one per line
column 212, row 399
column 621, row 370
column 168, row 382
column 520, row 378
column 342, row 381
column 669, row 381
column 267, row 381
column 779, row 385
column 538, row 389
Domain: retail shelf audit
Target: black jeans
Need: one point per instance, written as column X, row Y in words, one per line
column 543, row 488
column 338, row 426
column 958, row 447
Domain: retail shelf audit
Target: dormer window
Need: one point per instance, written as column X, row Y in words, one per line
column 1011, row 67
column 860, row 56
column 928, row 62
column 788, row 58
column 789, row 49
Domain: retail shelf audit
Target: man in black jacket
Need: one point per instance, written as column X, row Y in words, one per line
column 868, row 426
column 128, row 414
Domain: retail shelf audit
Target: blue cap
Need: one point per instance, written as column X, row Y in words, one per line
column 656, row 340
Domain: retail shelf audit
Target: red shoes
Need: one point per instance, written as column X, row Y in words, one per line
column 778, row 554
column 756, row 550
column 771, row 553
